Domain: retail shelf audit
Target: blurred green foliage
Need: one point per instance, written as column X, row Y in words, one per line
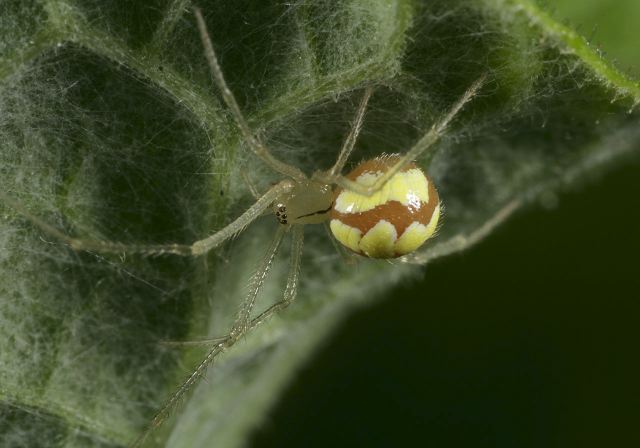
column 610, row 25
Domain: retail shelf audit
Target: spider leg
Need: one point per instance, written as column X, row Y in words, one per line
column 289, row 296
column 350, row 141
column 426, row 142
column 199, row 247
column 247, row 180
column 194, row 343
column 175, row 398
column 241, row 326
column 254, row 142
column 293, row 277
column 464, row 241
column 243, row 320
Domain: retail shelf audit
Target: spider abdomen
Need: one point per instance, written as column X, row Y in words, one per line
column 392, row 222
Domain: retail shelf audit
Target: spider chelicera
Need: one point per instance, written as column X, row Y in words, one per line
column 386, row 207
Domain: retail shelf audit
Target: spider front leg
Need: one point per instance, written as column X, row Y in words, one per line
column 426, row 142
column 254, row 142
column 199, row 247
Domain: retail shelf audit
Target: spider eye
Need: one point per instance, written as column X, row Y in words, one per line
column 393, row 222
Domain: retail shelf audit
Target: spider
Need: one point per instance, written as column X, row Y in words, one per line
column 385, row 208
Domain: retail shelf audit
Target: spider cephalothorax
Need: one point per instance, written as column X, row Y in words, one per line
column 308, row 202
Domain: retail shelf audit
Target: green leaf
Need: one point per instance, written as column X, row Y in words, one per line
column 110, row 128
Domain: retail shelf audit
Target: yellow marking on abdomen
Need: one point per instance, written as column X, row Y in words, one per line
column 408, row 187
column 347, row 236
column 380, row 240
column 416, row 234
